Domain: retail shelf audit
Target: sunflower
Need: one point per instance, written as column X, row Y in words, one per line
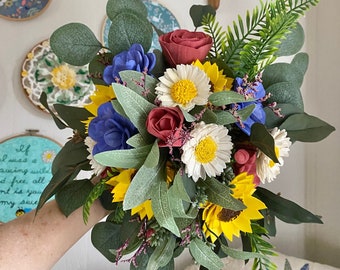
column 266, row 169
column 207, row 151
column 101, row 95
column 218, row 80
column 218, row 220
column 184, row 86
column 120, row 184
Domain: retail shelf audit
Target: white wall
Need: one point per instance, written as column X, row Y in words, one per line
column 310, row 174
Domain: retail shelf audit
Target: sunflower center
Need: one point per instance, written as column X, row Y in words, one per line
column 227, row 215
column 277, row 153
column 183, row 91
column 63, row 77
column 205, row 151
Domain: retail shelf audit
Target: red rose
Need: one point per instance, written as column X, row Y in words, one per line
column 184, row 47
column 166, row 123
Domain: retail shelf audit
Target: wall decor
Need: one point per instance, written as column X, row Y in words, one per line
column 158, row 15
column 25, row 170
column 43, row 71
column 22, row 9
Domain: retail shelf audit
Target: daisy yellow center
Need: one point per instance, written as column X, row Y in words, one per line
column 63, row 77
column 183, row 91
column 277, row 153
column 205, row 151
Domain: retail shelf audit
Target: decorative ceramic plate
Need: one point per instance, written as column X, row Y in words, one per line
column 43, row 71
column 25, row 170
column 158, row 15
column 22, row 9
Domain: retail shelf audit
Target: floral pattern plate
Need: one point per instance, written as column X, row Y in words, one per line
column 159, row 15
column 43, row 71
column 25, row 170
column 22, row 9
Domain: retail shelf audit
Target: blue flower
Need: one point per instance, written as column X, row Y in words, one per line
column 110, row 130
column 255, row 91
column 133, row 59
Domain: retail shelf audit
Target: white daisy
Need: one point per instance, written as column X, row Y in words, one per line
column 266, row 169
column 207, row 151
column 184, row 86
column 96, row 167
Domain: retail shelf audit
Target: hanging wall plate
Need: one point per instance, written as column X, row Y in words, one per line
column 25, row 170
column 158, row 15
column 43, row 71
column 22, row 10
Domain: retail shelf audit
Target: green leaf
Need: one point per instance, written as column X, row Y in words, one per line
column 73, row 195
column 204, row 255
column 127, row 29
column 293, row 42
column 43, row 100
column 261, row 138
column 131, row 158
column 239, row 254
column 284, row 209
column 73, row 116
column 136, row 108
column 142, row 183
column 287, row 265
column 161, row 207
column 151, row 160
column 285, row 92
column 162, row 254
column 306, row 128
column 116, row 7
column 197, row 13
column 179, row 188
column 218, row 193
column 97, row 66
column 141, row 83
column 300, row 61
column 136, row 141
column 226, row 117
column 226, row 97
column 282, row 72
column 75, row 43
column 201, row 113
column 272, row 120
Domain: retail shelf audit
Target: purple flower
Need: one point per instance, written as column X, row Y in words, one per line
column 256, row 91
column 110, row 130
column 133, row 59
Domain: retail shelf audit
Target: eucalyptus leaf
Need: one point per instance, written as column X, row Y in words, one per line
column 218, row 193
column 136, row 141
column 201, row 113
column 127, row 29
column 285, row 92
column 73, row 195
column 226, row 97
column 306, row 128
column 282, row 72
column 300, row 61
column 151, row 160
column 293, row 42
column 116, row 7
column 142, row 183
column 97, row 66
column 273, row 120
column 204, row 255
column 161, row 207
column 130, row 158
column 261, row 138
column 197, row 12
column 179, row 188
column 73, row 116
column 75, row 43
column 118, row 107
column 136, row 108
column 162, row 254
column 284, row 209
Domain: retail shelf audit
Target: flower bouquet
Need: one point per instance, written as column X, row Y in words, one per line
column 180, row 142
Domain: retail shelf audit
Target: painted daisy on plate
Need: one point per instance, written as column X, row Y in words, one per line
column 218, row 220
column 266, row 169
column 184, row 86
column 207, row 151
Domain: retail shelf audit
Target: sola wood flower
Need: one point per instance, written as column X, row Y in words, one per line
column 207, row 151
